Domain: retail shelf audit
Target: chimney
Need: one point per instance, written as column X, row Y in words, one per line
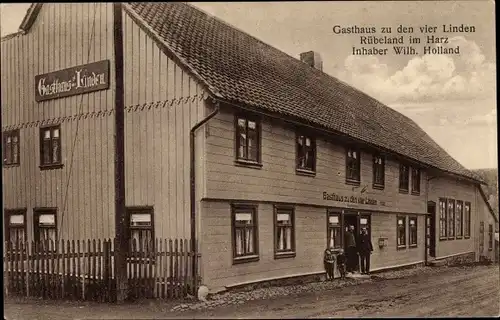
column 313, row 59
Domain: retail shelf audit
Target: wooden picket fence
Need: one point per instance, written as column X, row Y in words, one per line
column 84, row 270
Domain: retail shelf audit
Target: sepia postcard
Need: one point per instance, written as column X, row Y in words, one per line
column 324, row 159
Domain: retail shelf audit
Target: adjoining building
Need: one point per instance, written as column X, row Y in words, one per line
column 291, row 156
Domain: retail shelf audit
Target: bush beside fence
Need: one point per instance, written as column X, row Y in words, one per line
column 84, row 270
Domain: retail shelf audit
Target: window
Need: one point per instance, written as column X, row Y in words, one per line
column 404, row 176
column 364, row 222
column 11, row 147
column 481, row 237
column 459, row 218
column 45, row 227
column 306, row 153
column 15, row 227
column 442, row 219
column 467, row 220
column 451, row 219
column 247, row 139
column 401, row 232
column 378, row 172
column 141, row 228
column 245, row 242
column 490, row 237
column 334, row 230
column 353, row 165
column 50, row 146
column 415, row 181
column 412, row 221
column 284, row 231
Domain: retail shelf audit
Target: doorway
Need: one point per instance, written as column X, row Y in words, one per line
column 430, row 229
column 352, row 219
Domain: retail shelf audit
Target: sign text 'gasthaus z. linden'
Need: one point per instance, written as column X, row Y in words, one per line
column 288, row 158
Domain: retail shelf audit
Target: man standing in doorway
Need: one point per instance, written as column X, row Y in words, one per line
column 351, row 253
column 365, row 248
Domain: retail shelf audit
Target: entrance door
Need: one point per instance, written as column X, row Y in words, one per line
column 430, row 232
column 352, row 219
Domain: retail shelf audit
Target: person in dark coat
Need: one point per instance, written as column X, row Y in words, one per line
column 365, row 248
column 351, row 250
column 329, row 260
column 341, row 259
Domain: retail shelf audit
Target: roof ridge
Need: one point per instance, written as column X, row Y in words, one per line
column 236, row 28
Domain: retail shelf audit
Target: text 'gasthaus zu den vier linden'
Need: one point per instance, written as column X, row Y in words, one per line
column 405, row 40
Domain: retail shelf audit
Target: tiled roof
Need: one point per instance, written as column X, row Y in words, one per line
column 244, row 70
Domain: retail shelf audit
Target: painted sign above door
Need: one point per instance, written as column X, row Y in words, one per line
column 72, row 81
column 349, row 199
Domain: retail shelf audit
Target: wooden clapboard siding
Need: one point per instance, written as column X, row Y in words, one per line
column 484, row 215
column 384, row 225
column 278, row 181
column 444, row 187
column 157, row 135
column 61, row 37
column 216, row 245
column 310, row 239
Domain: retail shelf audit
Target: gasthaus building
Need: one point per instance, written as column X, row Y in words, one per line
column 287, row 157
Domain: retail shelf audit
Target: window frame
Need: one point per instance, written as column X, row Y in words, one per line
column 140, row 210
column 411, row 230
column 7, row 225
column 52, row 165
column 245, row 208
column 8, row 149
column 490, row 237
column 312, row 138
column 481, row 237
column 443, row 219
column 404, row 245
column 381, row 166
column 415, row 183
column 459, row 219
column 281, row 253
column 348, row 161
column 467, row 216
column 329, row 227
column 406, row 188
column 258, row 131
column 37, row 212
column 451, row 219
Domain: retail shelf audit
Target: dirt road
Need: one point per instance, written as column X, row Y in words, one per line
column 471, row 291
column 455, row 292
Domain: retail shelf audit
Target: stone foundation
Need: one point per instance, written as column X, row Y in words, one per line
column 466, row 258
column 296, row 280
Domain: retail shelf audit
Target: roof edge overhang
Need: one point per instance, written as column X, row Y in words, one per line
column 30, row 17
column 11, row 36
column 165, row 48
column 328, row 131
column 490, row 208
column 35, row 8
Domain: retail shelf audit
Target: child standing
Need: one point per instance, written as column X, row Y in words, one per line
column 329, row 260
column 341, row 260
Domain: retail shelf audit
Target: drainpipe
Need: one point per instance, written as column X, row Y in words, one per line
column 193, row 191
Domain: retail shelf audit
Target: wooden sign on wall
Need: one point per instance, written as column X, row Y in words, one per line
column 72, row 81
